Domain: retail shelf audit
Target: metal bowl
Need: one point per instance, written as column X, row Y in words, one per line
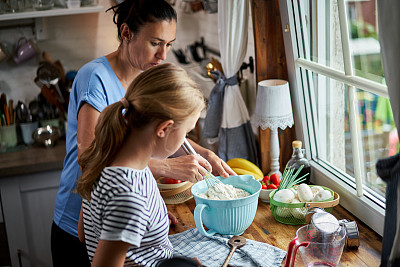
column 47, row 135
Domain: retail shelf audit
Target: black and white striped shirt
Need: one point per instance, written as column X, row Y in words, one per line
column 126, row 205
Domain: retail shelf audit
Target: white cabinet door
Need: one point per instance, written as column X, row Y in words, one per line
column 28, row 204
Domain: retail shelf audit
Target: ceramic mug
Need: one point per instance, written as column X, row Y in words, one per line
column 4, row 55
column 25, row 50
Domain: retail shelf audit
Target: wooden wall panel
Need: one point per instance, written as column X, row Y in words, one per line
column 270, row 64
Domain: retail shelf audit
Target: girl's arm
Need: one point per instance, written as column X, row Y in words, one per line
column 81, row 232
column 110, row 253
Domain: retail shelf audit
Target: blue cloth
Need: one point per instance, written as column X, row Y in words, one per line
column 212, row 122
column 97, row 85
column 212, row 251
column 236, row 142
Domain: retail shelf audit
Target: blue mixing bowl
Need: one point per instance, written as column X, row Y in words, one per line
column 226, row 217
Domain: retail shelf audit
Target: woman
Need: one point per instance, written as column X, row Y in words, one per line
column 146, row 30
column 125, row 218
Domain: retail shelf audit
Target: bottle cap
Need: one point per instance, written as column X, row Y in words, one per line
column 297, row 144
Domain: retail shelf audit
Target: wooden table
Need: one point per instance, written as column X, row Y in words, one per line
column 266, row 229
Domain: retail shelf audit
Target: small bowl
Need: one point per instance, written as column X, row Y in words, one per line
column 46, row 136
column 264, row 194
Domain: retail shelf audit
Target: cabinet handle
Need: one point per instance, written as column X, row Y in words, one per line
column 19, row 253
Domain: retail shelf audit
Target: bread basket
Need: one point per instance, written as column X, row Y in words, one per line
column 175, row 193
column 295, row 213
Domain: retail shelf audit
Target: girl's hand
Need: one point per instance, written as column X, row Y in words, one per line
column 190, row 168
column 172, row 218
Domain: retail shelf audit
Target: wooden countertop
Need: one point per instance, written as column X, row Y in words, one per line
column 35, row 158
column 266, row 229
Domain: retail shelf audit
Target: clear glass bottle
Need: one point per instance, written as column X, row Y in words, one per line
column 298, row 159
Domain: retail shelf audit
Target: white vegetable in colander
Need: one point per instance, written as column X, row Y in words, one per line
column 294, row 190
column 304, row 192
column 282, row 212
column 322, row 195
column 284, row 196
column 299, row 213
column 315, row 189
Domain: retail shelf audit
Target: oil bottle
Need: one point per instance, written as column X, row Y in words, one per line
column 298, row 159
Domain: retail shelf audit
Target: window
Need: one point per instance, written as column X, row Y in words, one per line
column 340, row 98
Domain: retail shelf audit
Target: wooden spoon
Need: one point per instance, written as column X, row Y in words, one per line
column 235, row 242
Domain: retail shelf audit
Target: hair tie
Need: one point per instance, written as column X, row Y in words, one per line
column 124, row 102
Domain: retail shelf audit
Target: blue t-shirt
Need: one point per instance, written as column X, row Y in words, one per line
column 97, row 85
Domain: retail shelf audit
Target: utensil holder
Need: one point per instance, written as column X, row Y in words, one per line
column 27, row 130
column 8, row 136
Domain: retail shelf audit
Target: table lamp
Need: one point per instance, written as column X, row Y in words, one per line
column 273, row 110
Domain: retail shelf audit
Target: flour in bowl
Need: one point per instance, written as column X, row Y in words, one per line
column 222, row 191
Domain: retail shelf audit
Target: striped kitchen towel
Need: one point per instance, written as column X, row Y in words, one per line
column 212, row 251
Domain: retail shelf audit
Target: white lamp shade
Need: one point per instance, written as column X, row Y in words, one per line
column 273, row 105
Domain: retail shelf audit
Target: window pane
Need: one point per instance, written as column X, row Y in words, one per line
column 364, row 42
column 376, row 131
column 324, row 33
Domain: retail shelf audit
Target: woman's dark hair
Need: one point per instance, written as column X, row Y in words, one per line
column 136, row 13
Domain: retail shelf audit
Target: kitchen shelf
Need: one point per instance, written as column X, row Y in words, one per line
column 50, row 13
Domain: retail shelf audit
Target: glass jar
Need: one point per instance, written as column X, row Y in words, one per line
column 298, row 159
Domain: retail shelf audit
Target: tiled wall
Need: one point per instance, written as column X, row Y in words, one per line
column 77, row 39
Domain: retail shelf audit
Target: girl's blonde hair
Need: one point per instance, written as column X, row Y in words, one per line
column 164, row 92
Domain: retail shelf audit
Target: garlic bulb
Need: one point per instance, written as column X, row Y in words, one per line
column 284, row 196
column 322, row 195
column 305, row 193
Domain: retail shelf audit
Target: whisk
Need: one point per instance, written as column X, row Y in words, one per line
column 210, row 179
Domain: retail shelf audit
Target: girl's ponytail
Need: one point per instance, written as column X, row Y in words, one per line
column 110, row 133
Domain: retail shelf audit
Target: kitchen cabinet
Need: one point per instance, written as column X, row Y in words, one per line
column 28, row 205
column 29, row 180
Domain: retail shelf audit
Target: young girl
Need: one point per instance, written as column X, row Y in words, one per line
column 125, row 219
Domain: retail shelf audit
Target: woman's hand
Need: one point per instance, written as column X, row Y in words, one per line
column 219, row 167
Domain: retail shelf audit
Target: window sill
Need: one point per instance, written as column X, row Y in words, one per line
column 363, row 208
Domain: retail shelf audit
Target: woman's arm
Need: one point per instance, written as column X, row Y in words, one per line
column 87, row 120
column 110, row 253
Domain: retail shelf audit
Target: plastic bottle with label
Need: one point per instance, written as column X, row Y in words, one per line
column 298, row 159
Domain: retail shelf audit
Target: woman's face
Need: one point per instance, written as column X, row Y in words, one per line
column 150, row 46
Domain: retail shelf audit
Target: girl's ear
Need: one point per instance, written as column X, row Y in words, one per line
column 163, row 128
column 126, row 33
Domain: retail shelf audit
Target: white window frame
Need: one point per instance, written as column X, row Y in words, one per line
column 356, row 198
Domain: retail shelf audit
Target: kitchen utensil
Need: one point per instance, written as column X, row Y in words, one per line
column 352, row 235
column 227, row 217
column 34, row 109
column 295, row 213
column 317, row 248
column 11, row 110
column 47, row 135
column 49, row 75
column 235, row 242
column 22, row 112
column 209, row 178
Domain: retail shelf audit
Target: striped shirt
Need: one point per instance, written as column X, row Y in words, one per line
column 126, row 205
